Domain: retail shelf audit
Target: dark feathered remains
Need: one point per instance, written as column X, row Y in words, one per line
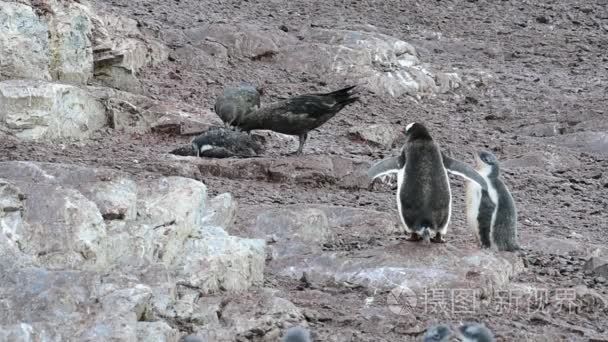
column 224, row 143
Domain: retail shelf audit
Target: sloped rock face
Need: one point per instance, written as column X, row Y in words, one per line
column 90, row 254
column 18, row 41
column 212, row 45
column 416, row 267
column 122, row 51
column 344, row 172
column 46, row 47
column 385, row 64
column 305, row 231
column 36, row 110
column 383, row 135
column 67, row 42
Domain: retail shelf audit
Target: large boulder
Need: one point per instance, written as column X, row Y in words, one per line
column 93, row 255
column 53, row 44
column 37, row 110
column 70, row 304
column 100, row 219
column 259, row 315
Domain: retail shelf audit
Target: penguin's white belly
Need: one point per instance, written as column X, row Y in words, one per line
column 400, row 179
column 473, row 203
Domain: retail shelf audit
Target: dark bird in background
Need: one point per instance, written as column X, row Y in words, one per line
column 297, row 115
column 224, row 143
column 297, row 334
column 475, row 332
column 437, row 333
column 237, row 101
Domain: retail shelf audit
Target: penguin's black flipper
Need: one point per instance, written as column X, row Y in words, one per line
column 461, row 169
column 386, row 166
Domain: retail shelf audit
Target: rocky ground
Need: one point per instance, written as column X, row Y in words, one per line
column 523, row 79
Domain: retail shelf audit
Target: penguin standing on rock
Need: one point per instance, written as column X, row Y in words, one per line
column 236, row 102
column 492, row 214
column 297, row 115
column 424, row 197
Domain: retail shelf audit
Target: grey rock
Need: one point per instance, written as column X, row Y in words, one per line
column 541, row 160
column 241, row 41
column 239, row 314
column 51, row 47
column 299, row 231
column 565, row 246
column 381, row 135
column 137, row 113
column 222, row 262
column 67, row 304
column 220, row 211
column 68, row 274
column 37, row 110
column 137, row 51
column 590, row 142
column 598, row 266
column 156, row 331
column 411, row 266
column 384, row 63
column 344, row 172
column 543, row 129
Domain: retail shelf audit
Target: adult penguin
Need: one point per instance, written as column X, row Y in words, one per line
column 424, row 197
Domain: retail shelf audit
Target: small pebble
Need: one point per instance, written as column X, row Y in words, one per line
column 600, row 280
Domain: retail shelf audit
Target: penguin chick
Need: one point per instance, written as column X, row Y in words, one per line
column 474, row 332
column 297, row 334
column 424, row 197
column 437, row 333
column 298, row 115
column 492, row 214
column 236, row 102
column 224, row 143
